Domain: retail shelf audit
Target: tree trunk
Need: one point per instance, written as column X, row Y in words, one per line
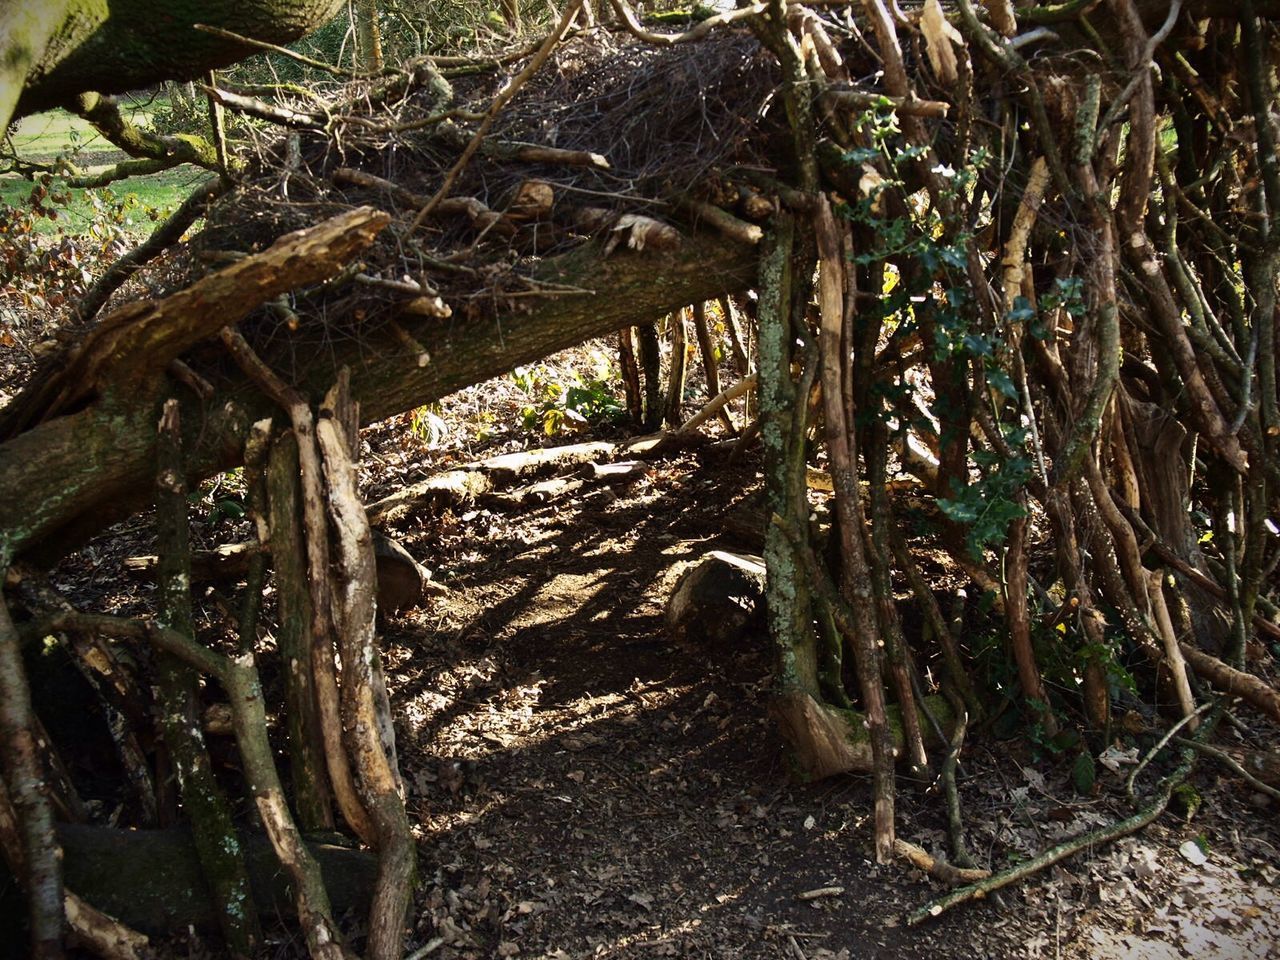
column 368, row 36
column 120, row 45
column 25, row 32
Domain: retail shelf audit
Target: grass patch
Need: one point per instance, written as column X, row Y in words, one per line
column 44, row 136
column 133, row 204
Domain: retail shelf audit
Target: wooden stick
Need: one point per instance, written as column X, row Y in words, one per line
column 365, row 709
column 271, row 112
column 679, row 365
column 307, row 766
column 323, row 669
column 20, row 758
column 1228, row 679
column 725, row 397
column 283, row 51
column 1085, row 841
column 909, row 106
column 723, row 221
column 936, row 868
column 850, row 521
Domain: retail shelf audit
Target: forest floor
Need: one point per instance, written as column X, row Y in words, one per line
column 583, row 785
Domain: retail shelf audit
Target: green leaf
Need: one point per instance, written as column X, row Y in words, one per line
column 1084, row 773
column 1021, row 311
column 1002, row 382
column 959, row 510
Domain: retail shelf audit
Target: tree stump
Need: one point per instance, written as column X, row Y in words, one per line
column 719, row 600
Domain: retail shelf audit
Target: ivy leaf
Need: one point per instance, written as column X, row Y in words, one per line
column 960, row 511
column 1002, row 382
column 861, row 155
column 1084, row 773
column 953, row 256
column 1021, row 311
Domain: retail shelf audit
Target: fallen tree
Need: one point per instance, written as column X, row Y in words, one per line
column 101, row 441
column 55, row 50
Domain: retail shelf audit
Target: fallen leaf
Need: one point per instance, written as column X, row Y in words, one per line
column 1192, row 853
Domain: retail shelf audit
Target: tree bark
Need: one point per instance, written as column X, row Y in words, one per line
column 121, row 45
column 364, row 707
column 311, row 792
column 368, row 36
column 24, row 775
column 25, row 32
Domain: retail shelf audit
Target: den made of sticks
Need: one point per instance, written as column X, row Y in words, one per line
column 932, row 439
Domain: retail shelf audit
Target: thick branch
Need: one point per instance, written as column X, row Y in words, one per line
column 145, row 336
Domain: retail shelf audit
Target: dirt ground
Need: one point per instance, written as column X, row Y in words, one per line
column 584, row 786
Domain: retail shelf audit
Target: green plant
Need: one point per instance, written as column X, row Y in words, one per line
column 568, row 399
column 428, row 425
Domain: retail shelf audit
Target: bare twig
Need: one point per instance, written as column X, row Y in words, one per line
column 504, row 96
column 283, row 51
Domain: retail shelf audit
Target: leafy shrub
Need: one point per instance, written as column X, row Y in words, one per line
column 569, row 399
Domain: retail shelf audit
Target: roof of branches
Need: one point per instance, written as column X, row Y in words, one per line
column 611, row 138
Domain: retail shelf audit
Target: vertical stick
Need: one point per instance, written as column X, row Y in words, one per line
column 1019, row 622
column 217, row 845
column 255, row 455
column 741, row 355
column 364, row 696
column 707, row 347
column 676, row 375
column 651, row 364
column 895, row 643
column 42, row 879
column 856, row 573
column 312, row 795
column 630, row 375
